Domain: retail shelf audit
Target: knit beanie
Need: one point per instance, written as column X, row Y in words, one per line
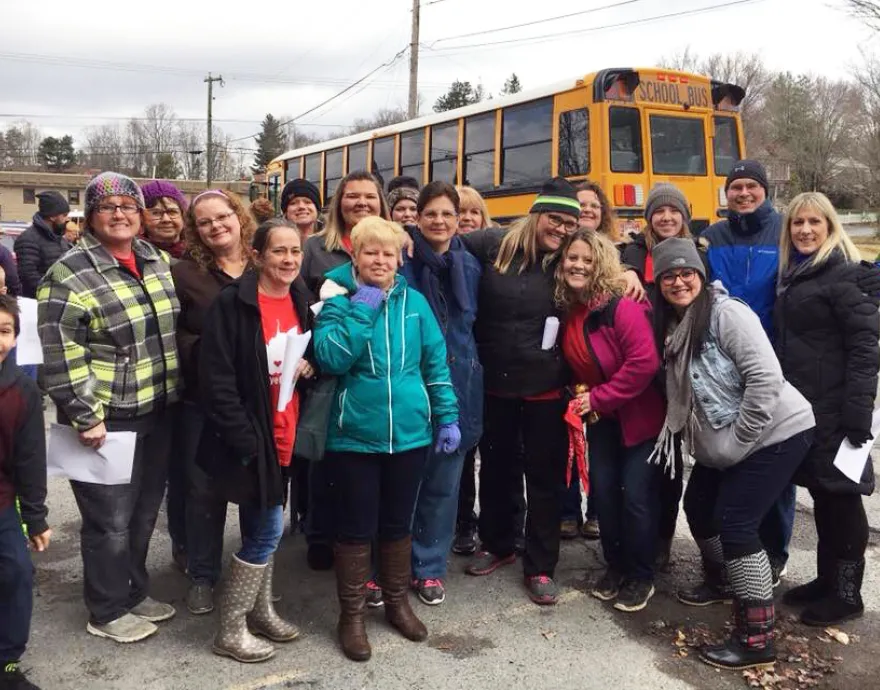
column 748, row 170
column 677, row 252
column 401, row 193
column 401, row 181
column 299, row 187
column 111, row 184
column 557, row 196
column 52, row 204
column 158, row 189
column 665, row 194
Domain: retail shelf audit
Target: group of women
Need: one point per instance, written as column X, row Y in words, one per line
column 431, row 333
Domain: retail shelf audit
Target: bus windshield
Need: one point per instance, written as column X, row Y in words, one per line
column 678, row 145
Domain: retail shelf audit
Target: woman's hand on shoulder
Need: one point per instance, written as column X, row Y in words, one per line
column 634, row 289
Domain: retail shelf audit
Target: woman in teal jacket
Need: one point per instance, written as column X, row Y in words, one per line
column 394, row 398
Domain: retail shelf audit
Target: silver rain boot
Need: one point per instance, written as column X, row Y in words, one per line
column 264, row 619
column 240, row 590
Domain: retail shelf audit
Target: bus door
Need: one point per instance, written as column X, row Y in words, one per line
column 571, row 132
column 624, row 168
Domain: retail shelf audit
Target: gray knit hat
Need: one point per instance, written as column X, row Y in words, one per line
column 665, row 194
column 677, row 252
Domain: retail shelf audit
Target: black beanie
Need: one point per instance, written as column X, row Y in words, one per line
column 402, row 181
column 52, row 204
column 748, row 170
column 299, row 187
column 557, row 196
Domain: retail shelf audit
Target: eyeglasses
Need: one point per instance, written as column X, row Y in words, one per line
column 686, row 274
column 445, row 216
column 556, row 221
column 205, row 223
column 157, row 213
column 110, row 209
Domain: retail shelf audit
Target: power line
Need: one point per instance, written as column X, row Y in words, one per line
column 124, row 118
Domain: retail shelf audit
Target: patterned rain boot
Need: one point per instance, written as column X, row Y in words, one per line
column 264, row 619
column 239, row 594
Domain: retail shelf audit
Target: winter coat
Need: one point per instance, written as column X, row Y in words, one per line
column 394, row 384
column 511, row 313
column 619, row 338
column 7, row 262
column 36, row 249
column 237, row 447
column 634, row 255
column 827, row 334
column 457, row 324
column 317, row 261
column 744, row 255
column 22, row 447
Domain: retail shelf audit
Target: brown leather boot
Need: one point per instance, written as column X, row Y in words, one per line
column 394, row 578
column 352, row 572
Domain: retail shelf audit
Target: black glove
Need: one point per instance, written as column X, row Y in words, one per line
column 857, row 437
column 869, row 279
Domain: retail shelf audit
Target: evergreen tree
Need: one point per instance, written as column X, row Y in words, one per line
column 167, row 167
column 270, row 143
column 57, row 154
column 512, row 85
column 460, row 94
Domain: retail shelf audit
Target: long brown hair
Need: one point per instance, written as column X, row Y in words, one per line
column 334, row 231
column 198, row 250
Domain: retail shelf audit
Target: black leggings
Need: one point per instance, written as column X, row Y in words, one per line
column 841, row 524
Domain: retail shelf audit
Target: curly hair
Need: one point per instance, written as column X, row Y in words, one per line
column 196, row 248
column 608, row 224
column 605, row 279
column 262, row 210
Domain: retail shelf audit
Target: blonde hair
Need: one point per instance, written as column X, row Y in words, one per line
column 520, row 237
column 198, row 250
column 837, row 237
column 334, row 230
column 606, row 277
column 375, row 229
column 651, row 239
column 471, row 198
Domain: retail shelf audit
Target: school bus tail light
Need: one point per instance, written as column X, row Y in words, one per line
column 629, row 195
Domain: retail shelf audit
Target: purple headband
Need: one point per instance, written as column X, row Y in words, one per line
column 215, row 192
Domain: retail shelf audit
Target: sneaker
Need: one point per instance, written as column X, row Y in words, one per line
column 519, row 545
column 154, row 611
column 200, row 598
column 568, row 529
column 374, row 595
column 12, row 678
column 608, row 587
column 465, row 543
column 485, row 563
column 704, row 594
column 542, row 590
column 590, row 529
column 777, row 571
column 127, row 628
column 634, row 595
column 431, row 591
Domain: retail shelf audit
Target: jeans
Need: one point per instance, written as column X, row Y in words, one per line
column 118, row 522
column 261, row 531
column 510, row 424
column 376, row 494
column 467, row 493
column 731, row 503
column 175, row 499
column 16, row 587
column 571, row 500
column 322, row 503
column 205, row 512
column 625, row 487
column 778, row 524
column 434, row 519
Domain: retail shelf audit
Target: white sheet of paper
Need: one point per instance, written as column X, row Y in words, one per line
column 851, row 460
column 551, row 330
column 28, row 349
column 293, row 353
column 112, row 463
column 317, row 307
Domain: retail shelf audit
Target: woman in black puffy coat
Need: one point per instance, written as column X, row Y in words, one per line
column 827, row 334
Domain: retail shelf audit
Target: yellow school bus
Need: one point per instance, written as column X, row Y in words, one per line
column 275, row 183
column 626, row 129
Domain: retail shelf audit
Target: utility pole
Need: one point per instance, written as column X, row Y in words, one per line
column 210, row 147
column 413, row 107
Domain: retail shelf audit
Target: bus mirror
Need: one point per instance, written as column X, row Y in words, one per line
column 727, row 96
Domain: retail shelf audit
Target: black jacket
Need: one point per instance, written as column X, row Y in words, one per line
column 237, row 447
column 634, row 254
column 317, row 261
column 36, row 249
column 511, row 313
column 827, row 334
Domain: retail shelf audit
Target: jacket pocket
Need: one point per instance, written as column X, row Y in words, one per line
column 342, row 397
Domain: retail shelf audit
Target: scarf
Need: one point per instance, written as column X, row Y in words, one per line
column 802, row 264
column 431, row 268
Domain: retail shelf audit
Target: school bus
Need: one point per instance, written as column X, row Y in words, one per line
column 626, row 129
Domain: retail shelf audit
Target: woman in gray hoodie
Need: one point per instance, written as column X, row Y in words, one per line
column 747, row 428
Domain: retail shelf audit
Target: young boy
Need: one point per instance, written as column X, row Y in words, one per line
column 22, row 476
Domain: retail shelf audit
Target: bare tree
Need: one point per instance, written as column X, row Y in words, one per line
column 105, row 148
column 189, row 145
column 381, row 118
column 866, row 10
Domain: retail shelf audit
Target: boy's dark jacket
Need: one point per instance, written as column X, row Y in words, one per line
column 22, row 447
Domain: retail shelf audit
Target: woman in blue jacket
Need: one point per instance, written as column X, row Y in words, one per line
column 449, row 278
column 381, row 339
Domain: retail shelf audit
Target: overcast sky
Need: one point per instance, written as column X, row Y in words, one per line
column 65, row 65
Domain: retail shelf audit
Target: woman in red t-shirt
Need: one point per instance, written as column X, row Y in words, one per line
column 249, row 436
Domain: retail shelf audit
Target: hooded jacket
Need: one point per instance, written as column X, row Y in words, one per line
column 394, row 384
column 36, row 249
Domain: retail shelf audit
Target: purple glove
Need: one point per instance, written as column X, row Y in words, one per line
column 369, row 295
column 448, row 438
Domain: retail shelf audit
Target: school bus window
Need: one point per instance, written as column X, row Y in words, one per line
column 313, row 169
column 383, row 159
column 272, row 191
column 357, row 157
column 726, row 145
column 678, row 145
column 444, row 153
column 526, row 141
column 479, row 151
column 332, row 172
column 626, row 140
column 412, row 154
column 574, row 143
column 292, row 168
